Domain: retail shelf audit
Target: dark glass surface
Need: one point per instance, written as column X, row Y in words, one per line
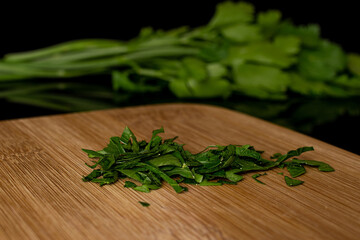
column 27, row 27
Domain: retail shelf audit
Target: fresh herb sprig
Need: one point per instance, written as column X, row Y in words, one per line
column 151, row 163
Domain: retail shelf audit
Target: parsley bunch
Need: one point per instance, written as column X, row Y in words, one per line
column 151, row 163
column 259, row 55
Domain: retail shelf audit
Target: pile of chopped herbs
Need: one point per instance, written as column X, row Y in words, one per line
column 239, row 52
column 151, row 163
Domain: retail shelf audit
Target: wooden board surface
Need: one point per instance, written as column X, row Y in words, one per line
column 42, row 195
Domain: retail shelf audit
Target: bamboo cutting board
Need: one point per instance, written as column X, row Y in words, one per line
column 42, row 195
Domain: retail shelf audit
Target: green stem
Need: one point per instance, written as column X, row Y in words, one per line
column 172, row 51
column 86, row 54
column 75, row 45
column 152, row 73
column 123, row 60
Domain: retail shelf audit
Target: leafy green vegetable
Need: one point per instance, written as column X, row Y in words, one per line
column 205, row 182
column 269, row 22
column 263, row 53
column 293, row 153
column 309, row 35
column 230, row 13
column 242, row 33
column 255, row 176
column 232, row 176
column 295, row 169
column 239, row 52
column 250, row 78
column 209, row 89
column 292, row 182
column 322, row 63
column 324, row 167
column 151, row 163
column 353, row 62
column 288, row 44
column 144, row 204
column 129, row 184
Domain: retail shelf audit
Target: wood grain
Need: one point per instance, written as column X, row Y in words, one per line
column 42, row 195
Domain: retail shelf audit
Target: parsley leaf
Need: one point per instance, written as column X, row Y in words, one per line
column 144, row 204
column 229, row 13
column 129, row 184
column 255, row 176
column 323, row 167
column 261, row 81
column 295, row 169
column 353, row 61
column 292, row 182
column 322, row 63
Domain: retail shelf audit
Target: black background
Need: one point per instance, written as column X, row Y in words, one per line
column 30, row 26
